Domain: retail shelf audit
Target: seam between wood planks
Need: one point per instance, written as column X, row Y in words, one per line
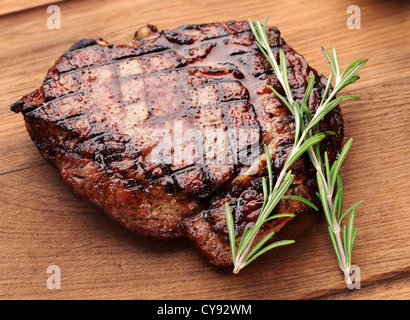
column 389, row 277
column 22, row 169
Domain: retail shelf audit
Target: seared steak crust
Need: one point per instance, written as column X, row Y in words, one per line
column 121, row 123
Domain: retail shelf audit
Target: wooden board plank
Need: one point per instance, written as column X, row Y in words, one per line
column 43, row 224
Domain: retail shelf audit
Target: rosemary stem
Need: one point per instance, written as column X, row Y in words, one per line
column 280, row 178
column 330, row 97
column 279, row 74
column 334, row 224
column 344, row 266
column 240, row 260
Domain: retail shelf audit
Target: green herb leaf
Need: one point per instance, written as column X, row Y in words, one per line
column 338, row 164
column 269, row 247
column 301, row 199
column 297, row 152
column 231, row 230
column 349, row 210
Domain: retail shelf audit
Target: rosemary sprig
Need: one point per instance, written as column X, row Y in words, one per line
column 329, row 181
column 307, row 137
column 243, row 255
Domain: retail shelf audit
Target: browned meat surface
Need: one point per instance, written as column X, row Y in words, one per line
column 163, row 131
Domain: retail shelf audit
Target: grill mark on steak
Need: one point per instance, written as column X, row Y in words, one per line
column 104, row 110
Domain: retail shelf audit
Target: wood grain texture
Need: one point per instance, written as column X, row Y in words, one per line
column 11, row 6
column 43, row 224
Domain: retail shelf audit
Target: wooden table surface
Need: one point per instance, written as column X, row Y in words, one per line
column 42, row 224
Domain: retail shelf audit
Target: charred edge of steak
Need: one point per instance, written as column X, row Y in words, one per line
column 17, row 106
column 84, row 43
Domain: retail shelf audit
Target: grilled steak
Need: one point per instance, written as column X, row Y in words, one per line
column 163, row 131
